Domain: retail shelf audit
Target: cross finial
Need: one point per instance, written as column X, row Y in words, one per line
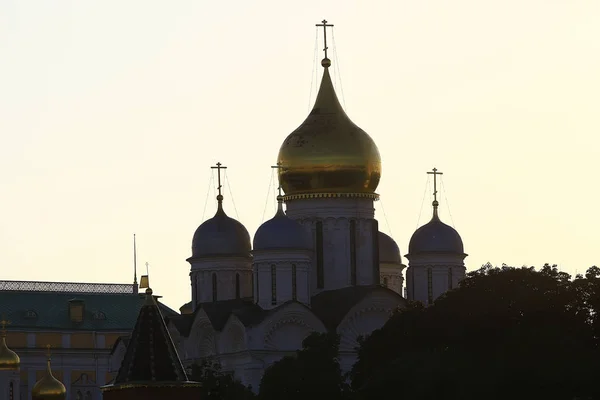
column 324, row 24
column 48, row 351
column 219, row 167
column 279, row 168
column 435, row 173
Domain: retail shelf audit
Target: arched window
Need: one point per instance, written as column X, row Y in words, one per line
column 319, row 240
column 353, row 253
column 273, row 285
column 429, row 286
column 385, row 282
column 11, row 391
column 214, row 286
column 294, row 290
column 237, row 286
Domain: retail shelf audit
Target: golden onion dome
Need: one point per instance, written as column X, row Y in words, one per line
column 9, row 360
column 49, row 388
column 328, row 153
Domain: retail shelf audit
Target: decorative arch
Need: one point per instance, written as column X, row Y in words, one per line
column 233, row 336
column 289, row 326
column 371, row 313
column 201, row 341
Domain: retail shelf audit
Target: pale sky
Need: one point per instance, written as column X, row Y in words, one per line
column 112, row 112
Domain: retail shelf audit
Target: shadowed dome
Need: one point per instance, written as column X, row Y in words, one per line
column 281, row 232
column 328, row 153
column 221, row 236
column 9, row 360
column 389, row 252
column 48, row 388
column 435, row 237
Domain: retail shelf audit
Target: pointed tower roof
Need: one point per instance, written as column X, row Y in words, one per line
column 151, row 368
column 9, row 360
column 328, row 154
column 151, row 354
column 48, row 388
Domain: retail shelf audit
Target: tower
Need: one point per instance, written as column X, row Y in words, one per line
column 281, row 260
column 10, row 365
column 151, row 369
column 435, row 257
column 329, row 171
column 221, row 262
column 48, row 388
column 390, row 264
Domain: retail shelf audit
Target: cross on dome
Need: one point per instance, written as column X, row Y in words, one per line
column 48, row 351
column 324, row 24
column 219, row 167
column 4, row 322
column 278, row 167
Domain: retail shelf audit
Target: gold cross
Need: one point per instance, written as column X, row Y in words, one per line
column 48, row 352
column 279, row 168
column 324, row 24
column 4, row 322
column 219, row 167
column 435, row 173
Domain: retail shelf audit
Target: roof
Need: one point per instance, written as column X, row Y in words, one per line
column 332, row 306
column 30, row 310
column 435, row 237
column 150, row 355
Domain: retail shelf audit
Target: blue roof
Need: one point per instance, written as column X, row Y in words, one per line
column 281, row 232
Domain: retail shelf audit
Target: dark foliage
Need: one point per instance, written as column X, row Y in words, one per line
column 313, row 372
column 217, row 385
column 504, row 333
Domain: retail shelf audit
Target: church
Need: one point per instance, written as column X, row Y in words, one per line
column 320, row 264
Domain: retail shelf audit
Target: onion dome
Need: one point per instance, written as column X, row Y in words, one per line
column 328, row 153
column 48, row 388
column 389, row 252
column 435, row 237
column 281, row 232
column 9, row 360
column 221, row 236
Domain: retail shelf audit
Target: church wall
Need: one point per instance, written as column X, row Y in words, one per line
column 225, row 269
column 284, row 262
column 335, row 215
column 10, row 385
column 430, row 276
column 391, row 276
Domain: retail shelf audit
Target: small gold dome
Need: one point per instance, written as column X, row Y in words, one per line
column 9, row 360
column 49, row 388
column 328, row 153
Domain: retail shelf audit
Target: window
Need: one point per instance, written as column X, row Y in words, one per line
column 11, row 391
column 30, row 314
column 450, row 278
column 385, row 282
column 237, row 286
column 273, row 285
column 76, row 310
column 429, row 286
column 257, row 286
column 353, row 252
column 214, row 286
column 99, row 315
column 294, row 290
column 375, row 246
column 319, row 247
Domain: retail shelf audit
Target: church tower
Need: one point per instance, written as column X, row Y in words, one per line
column 221, row 263
column 48, row 388
column 282, row 254
column 329, row 171
column 435, row 257
column 10, row 365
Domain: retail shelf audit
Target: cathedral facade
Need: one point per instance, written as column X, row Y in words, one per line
column 320, row 265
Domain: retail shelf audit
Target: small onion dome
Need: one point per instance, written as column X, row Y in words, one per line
column 435, row 237
column 328, row 153
column 9, row 360
column 281, row 232
column 389, row 252
column 49, row 388
column 221, row 236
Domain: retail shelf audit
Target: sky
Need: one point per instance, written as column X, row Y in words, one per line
column 112, row 113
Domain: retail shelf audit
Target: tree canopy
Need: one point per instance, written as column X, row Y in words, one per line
column 505, row 332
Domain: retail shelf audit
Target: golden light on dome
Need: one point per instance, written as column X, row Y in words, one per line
column 48, row 388
column 9, row 360
column 328, row 153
